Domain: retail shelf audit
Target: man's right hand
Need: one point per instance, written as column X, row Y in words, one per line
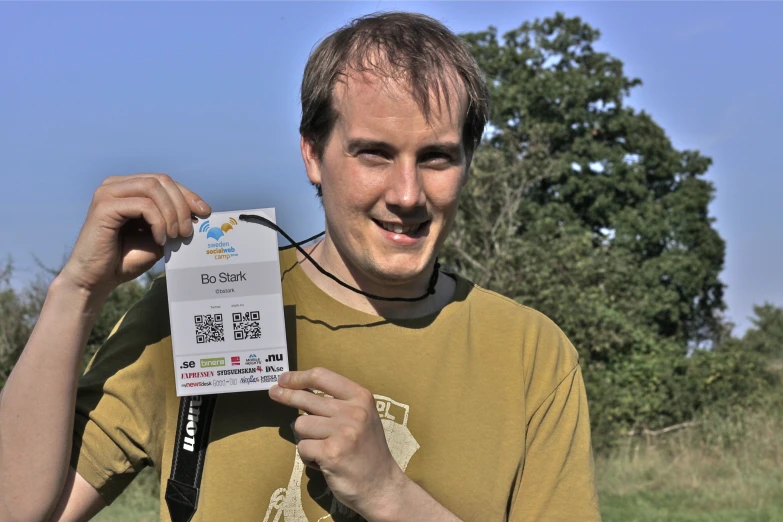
column 127, row 224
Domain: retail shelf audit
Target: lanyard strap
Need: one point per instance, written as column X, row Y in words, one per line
column 252, row 218
column 193, row 422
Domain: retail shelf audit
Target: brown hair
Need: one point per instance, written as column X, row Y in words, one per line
column 408, row 46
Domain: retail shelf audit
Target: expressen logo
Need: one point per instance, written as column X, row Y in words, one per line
column 212, row 362
column 216, row 245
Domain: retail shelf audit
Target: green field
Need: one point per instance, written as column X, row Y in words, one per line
column 722, row 470
column 728, row 470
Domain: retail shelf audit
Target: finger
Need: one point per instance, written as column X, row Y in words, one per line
column 311, row 452
column 303, row 400
column 197, row 205
column 113, row 179
column 125, row 209
column 181, row 205
column 321, row 379
column 313, row 427
column 148, row 187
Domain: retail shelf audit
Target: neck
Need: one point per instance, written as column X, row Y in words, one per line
column 325, row 254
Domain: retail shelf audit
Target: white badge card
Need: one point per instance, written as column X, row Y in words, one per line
column 226, row 306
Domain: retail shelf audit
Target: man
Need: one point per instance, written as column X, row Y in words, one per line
column 462, row 405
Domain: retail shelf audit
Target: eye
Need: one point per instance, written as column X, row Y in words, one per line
column 374, row 153
column 440, row 159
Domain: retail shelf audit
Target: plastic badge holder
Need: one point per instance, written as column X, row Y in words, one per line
column 226, row 306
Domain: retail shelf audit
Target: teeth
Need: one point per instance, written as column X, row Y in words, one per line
column 399, row 229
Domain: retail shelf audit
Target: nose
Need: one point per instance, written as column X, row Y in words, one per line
column 404, row 187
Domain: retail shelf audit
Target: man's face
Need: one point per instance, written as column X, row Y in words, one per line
column 390, row 177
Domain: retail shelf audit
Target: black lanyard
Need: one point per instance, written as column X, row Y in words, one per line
column 251, row 218
column 193, row 422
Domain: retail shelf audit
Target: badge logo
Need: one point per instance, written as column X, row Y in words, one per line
column 216, row 245
column 212, row 362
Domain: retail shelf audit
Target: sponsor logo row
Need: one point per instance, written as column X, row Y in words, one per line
column 233, row 371
column 236, row 360
column 230, row 381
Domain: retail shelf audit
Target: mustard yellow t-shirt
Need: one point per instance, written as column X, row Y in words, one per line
column 483, row 405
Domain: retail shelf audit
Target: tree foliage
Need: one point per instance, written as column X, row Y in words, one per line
column 17, row 315
column 19, row 310
column 766, row 335
column 581, row 207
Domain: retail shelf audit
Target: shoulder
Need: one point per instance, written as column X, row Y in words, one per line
column 489, row 302
column 512, row 317
column 288, row 260
column 543, row 349
column 126, row 401
column 148, row 319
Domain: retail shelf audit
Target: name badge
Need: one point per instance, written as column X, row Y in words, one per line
column 226, row 306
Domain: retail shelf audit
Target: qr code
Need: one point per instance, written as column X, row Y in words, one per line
column 209, row 328
column 246, row 325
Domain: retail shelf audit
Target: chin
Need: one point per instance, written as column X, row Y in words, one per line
column 398, row 273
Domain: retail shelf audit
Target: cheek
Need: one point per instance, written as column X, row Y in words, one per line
column 349, row 189
column 443, row 190
column 360, row 188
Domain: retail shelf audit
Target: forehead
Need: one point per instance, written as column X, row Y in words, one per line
column 360, row 97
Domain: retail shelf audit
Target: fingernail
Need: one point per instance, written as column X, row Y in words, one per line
column 283, row 378
column 274, row 391
column 203, row 207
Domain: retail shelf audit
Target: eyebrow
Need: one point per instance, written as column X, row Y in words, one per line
column 449, row 147
column 354, row 146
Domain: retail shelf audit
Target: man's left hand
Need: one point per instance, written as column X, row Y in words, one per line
column 342, row 435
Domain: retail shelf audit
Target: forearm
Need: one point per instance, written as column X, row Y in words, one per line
column 37, row 404
column 411, row 502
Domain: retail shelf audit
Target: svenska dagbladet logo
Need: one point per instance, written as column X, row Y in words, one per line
column 216, row 244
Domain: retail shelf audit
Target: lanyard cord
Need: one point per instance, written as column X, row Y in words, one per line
column 252, row 218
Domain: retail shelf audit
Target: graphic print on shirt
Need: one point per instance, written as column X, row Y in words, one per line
column 285, row 505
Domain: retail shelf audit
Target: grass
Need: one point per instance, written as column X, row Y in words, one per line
column 138, row 503
column 725, row 469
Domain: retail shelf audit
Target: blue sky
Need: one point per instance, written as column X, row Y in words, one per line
column 207, row 92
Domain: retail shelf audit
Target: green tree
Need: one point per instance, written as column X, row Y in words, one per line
column 19, row 311
column 766, row 335
column 580, row 207
column 740, row 373
column 17, row 317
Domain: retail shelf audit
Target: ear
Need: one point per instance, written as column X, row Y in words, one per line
column 311, row 161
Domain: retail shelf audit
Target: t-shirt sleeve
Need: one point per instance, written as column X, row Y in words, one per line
column 120, row 417
column 557, row 480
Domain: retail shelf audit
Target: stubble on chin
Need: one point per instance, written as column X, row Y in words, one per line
column 392, row 273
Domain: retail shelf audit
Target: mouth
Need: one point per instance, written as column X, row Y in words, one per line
column 406, row 229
